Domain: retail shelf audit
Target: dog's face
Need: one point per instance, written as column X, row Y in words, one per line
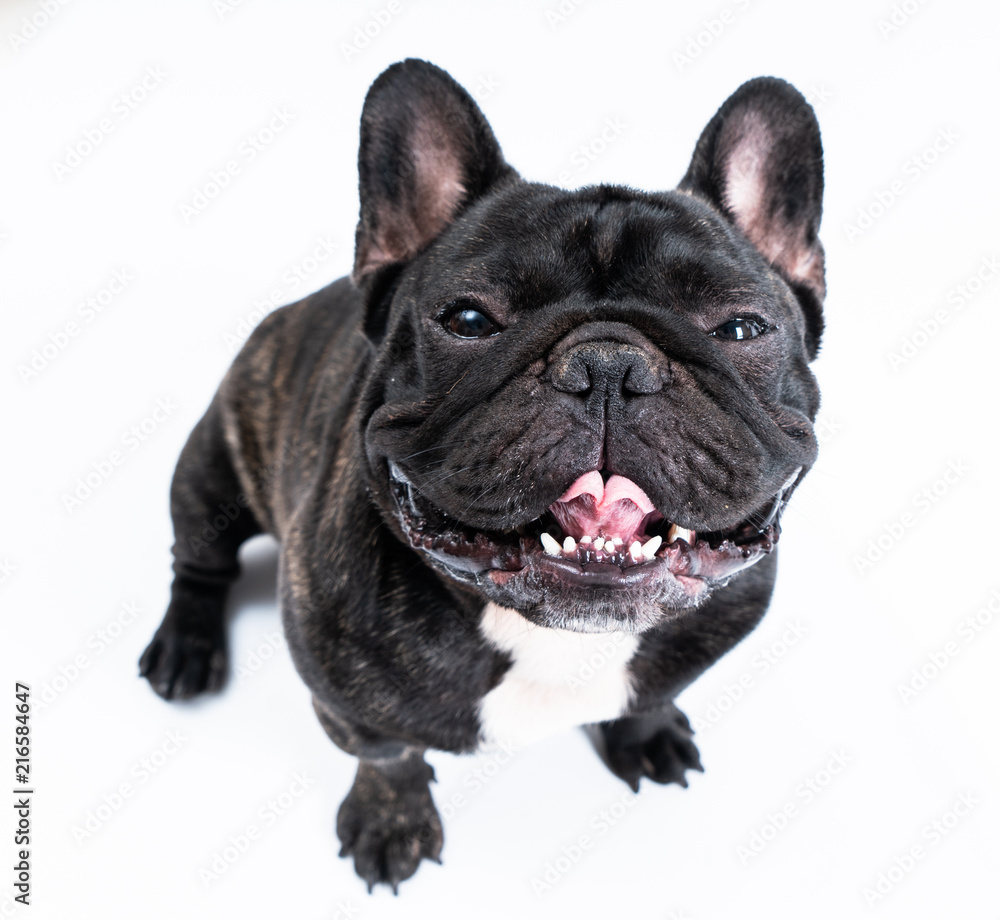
column 592, row 405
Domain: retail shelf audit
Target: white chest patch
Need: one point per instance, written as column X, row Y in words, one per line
column 559, row 679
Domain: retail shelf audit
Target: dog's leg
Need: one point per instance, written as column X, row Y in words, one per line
column 188, row 652
column 657, row 745
column 388, row 821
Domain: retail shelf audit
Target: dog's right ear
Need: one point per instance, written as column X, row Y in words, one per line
column 426, row 153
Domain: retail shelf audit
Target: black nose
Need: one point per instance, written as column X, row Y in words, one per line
column 606, row 370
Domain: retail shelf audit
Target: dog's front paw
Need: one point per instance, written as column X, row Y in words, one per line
column 388, row 827
column 187, row 655
column 180, row 666
column 654, row 745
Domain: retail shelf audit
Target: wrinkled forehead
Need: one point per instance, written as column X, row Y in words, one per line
column 534, row 245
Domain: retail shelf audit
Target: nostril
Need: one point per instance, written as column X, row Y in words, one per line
column 641, row 377
column 572, row 376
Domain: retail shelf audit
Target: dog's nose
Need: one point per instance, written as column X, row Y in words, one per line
column 606, row 370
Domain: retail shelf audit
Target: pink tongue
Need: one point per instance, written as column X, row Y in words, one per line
column 617, row 508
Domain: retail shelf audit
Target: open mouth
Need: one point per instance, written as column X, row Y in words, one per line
column 602, row 532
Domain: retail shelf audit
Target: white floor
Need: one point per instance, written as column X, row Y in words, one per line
column 826, row 793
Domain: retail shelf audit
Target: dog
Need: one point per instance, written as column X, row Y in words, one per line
column 533, row 426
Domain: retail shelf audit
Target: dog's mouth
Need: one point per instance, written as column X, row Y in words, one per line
column 602, row 532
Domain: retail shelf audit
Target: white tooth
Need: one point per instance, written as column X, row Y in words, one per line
column 682, row 533
column 635, row 549
column 550, row 544
column 599, row 543
column 569, row 545
column 586, row 539
column 650, row 547
column 618, row 541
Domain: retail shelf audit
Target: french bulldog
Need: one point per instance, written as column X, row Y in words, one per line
column 535, row 428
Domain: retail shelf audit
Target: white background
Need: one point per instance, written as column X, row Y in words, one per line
column 547, row 83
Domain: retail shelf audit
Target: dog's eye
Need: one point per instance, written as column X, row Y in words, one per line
column 736, row 330
column 468, row 323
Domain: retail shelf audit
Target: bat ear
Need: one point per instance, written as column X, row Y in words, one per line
column 760, row 162
column 426, row 153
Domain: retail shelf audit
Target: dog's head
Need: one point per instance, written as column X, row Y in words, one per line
column 589, row 405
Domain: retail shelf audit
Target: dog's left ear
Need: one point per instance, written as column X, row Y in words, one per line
column 426, row 153
column 760, row 162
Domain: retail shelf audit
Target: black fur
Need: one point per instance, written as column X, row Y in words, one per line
column 606, row 298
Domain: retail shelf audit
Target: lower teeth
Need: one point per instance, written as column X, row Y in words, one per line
column 601, row 549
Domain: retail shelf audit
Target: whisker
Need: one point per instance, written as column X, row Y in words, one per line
column 464, row 469
column 427, row 450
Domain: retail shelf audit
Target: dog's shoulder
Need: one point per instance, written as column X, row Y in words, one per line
column 290, row 382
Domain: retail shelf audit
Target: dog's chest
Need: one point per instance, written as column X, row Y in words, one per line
column 558, row 679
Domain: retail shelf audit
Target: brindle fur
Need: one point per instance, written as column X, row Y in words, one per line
column 389, row 645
